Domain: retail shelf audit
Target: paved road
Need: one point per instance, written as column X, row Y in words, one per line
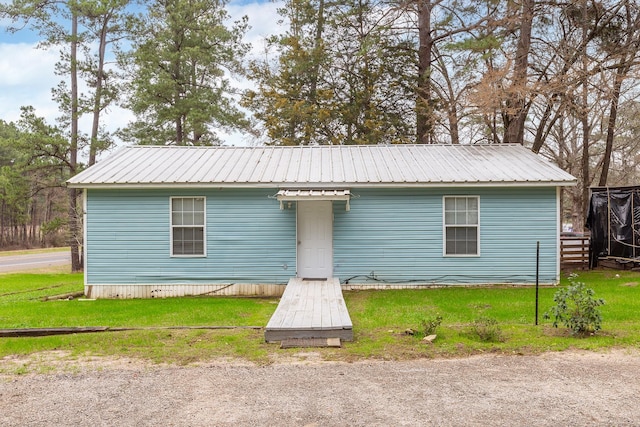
column 14, row 263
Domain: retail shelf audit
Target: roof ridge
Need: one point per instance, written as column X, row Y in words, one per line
column 323, row 166
column 336, row 146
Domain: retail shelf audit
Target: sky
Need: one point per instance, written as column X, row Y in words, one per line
column 27, row 72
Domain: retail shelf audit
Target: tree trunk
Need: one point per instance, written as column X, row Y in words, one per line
column 74, row 231
column 453, row 124
column 452, row 107
column 629, row 56
column 613, row 114
column 317, row 48
column 179, row 131
column 584, row 118
column 34, row 237
column 2, row 239
column 367, row 116
column 538, row 140
column 97, row 102
column 516, row 111
column 424, row 110
column 315, row 70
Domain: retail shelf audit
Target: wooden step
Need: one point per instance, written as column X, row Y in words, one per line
column 310, row 342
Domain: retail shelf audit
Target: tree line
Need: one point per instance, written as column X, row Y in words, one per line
column 557, row 77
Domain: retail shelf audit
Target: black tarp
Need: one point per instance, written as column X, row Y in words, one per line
column 614, row 222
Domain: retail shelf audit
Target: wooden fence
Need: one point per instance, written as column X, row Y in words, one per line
column 574, row 252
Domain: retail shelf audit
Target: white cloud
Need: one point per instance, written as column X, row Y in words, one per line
column 27, row 73
column 26, row 78
column 263, row 18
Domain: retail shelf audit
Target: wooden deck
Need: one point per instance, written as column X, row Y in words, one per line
column 310, row 309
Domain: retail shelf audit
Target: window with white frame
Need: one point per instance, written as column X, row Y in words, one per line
column 187, row 226
column 461, row 223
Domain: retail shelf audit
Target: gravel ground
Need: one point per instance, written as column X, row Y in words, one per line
column 566, row 389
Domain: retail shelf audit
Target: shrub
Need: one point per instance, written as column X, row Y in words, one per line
column 487, row 329
column 577, row 309
column 430, row 325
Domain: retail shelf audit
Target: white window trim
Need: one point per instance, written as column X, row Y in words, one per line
column 444, row 229
column 204, row 228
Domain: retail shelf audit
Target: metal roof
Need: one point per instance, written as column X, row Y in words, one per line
column 322, row 167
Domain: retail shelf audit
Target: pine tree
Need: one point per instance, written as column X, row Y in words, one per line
column 182, row 58
column 339, row 76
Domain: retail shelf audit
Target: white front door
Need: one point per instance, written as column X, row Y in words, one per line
column 315, row 239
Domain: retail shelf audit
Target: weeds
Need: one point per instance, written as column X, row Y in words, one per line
column 486, row 329
column 430, row 325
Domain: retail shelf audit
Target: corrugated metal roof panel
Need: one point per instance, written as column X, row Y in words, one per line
column 322, row 166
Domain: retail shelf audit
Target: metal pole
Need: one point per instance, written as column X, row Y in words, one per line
column 537, row 276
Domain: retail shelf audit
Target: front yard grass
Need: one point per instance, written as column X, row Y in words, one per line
column 381, row 319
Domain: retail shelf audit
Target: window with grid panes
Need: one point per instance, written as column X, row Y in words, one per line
column 461, row 224
column 188, row 226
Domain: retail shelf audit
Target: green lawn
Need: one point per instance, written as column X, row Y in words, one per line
column 380, row 320
column 22, row 306
column 377, row 314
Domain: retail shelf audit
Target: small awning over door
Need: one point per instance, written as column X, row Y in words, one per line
column 289, row 195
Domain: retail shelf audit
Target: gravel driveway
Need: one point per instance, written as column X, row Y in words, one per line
column 553, row 389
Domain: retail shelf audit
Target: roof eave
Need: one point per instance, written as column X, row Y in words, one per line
column 332, row 185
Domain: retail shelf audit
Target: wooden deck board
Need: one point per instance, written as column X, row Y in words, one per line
column 316, row 314
column 310, row 309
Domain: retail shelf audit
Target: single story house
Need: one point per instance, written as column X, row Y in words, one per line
column 172, row 221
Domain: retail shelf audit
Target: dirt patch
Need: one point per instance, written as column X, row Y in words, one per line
column 567, row 388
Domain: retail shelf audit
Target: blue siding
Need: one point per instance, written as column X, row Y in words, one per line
column 396, row 235
column 249, row 239
column 393, row 235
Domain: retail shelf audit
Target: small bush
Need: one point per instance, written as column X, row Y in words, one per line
column 577, row 309
column 430, row 325
column 487, row 329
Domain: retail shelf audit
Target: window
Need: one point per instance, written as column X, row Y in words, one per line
column 187, row 226
column 461, row 219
